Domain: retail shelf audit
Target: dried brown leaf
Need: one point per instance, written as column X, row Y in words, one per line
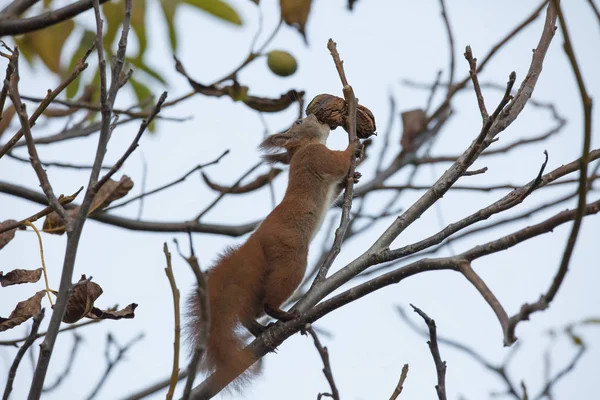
column 54, row 223
column 257, row 183
column 17, row 276
column 295, row 13
column 7, row 116
column 7, row 236
column 332, row 110
column 127, row 312
column 414, row 122
column 265, row 104
column 23, row 311
column 111, row 191
column 81, row 301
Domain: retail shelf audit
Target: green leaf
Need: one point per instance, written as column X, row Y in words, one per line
column 218, row 8
column 85, row 42
column 138, row 63
column 114, row 12
column 152, row 126
column 48, row 43
column 142, row 92
column 26, row 48
column 138, row 23
column 169, row 8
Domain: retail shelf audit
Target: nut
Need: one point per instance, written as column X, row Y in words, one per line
column 332, row 111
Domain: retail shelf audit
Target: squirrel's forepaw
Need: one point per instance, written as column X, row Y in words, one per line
column 357, row 175
column 359, row 149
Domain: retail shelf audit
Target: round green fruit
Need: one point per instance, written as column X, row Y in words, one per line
column 281, row 63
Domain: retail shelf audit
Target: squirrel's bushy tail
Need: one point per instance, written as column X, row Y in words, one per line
column 225, row 354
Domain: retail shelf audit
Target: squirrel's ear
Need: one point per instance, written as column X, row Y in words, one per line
column 274, row 142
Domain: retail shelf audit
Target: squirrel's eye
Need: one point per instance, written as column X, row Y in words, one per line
column 298, row 122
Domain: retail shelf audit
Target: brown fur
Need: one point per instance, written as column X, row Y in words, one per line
column 267, row 269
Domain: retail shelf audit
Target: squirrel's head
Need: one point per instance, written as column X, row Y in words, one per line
column 303, row 132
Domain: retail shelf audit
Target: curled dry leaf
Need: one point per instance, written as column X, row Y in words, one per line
column 295, row 13
column 332, row 110
column 414, row 122
column 7, row 236
column 81, row 301
column 23, row 311
column 80, row 304
column 127, row 312
column 6, row 117
column 17, row 276
column 257, row 183
column 264, row 104
column 109, row 192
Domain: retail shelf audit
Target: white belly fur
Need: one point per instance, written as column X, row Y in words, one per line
column 321, row 217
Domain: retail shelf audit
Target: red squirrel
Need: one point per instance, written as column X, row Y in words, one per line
column 257, row 277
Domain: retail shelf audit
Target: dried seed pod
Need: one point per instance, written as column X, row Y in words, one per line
column 332, row 110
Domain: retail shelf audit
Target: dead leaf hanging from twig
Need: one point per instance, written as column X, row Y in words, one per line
column 17, row 276
column 80, row 304
column 81, row 301
column 257, row 183
column 127, row 312
column 7, row 236
column 23, row 311
column 109, row 192
column 414, row 122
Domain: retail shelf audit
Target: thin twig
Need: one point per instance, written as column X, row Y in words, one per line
column 177, row 313
column 440, row 365
column 450, row 45
column 33, row 155
column 133, row 144
column 44, row 270
column 112, row 362
column 235, row 185
column 203, row 324
column 352, row 103
column 76, row 341
column 50, row 97
column 107, row 99
column 63, row 200
column 545, row 300
column 37, row 319
column 14, row 342
column 326, row 365
column 168, row 185
column 400, row 384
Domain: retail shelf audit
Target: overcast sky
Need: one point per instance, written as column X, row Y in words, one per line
column 381, row 42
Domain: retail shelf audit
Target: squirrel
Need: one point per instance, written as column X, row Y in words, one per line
column 257, row 277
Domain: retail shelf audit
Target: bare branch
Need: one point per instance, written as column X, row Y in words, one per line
column 75, row 228
column 352, row 103
column 44, row 20
column 112, row 362
column 400, row 385
column 440, row 365
column 177, row 313
column 326, row 365
column 37, row 319
column 168, row 185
